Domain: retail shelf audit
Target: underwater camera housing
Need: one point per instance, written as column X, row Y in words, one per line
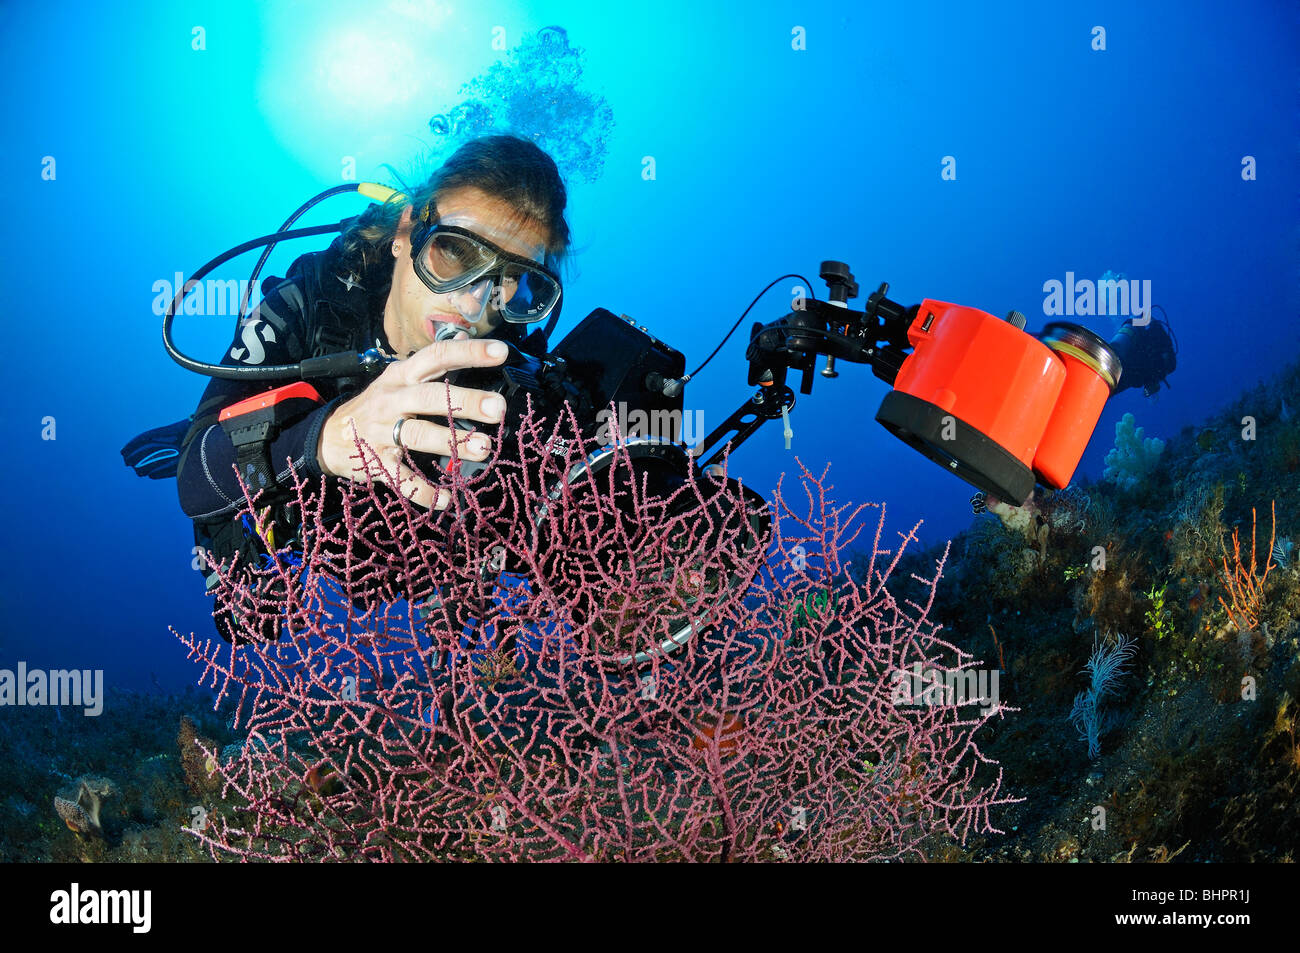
column 606, row 360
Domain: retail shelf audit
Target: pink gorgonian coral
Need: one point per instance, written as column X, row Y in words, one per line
column 607, row 665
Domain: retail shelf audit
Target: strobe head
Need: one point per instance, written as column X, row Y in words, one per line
column 995, row 406
column 960, row 449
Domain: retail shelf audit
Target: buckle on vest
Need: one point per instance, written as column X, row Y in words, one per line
column 254, row 423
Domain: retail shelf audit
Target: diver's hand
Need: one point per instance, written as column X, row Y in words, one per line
column 413, row 389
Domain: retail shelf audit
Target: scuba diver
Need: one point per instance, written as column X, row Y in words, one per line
column 427, row 279
column 1148, row 353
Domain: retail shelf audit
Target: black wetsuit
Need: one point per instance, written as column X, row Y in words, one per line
column 276, row 333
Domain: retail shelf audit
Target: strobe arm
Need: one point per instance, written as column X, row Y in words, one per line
column 876, row 336
column 768, row 403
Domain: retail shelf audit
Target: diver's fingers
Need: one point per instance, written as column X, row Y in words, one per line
column 425, row 436
column 434, row 360
column 432, row 399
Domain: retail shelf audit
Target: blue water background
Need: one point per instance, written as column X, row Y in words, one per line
column 767, row 160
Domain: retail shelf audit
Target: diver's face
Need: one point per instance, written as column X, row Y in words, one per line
column 414, row 314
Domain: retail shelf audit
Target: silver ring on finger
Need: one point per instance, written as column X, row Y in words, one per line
column 397, row 432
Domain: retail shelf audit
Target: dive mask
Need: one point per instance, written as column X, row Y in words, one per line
column 450, row 258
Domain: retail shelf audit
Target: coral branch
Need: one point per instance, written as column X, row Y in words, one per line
column 535, row 705
column 1245, row 584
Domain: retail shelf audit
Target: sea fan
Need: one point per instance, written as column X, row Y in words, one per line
column 1282, row 552
column 1105, row 666
column 379, row 734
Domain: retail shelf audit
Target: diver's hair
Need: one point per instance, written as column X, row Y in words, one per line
column 508, row 168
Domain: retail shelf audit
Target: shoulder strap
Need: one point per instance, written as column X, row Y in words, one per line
column 338, row 302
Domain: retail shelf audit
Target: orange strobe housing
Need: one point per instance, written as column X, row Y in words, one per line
column 995, row 405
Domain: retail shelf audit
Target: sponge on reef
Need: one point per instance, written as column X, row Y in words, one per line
column 1133, row 457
